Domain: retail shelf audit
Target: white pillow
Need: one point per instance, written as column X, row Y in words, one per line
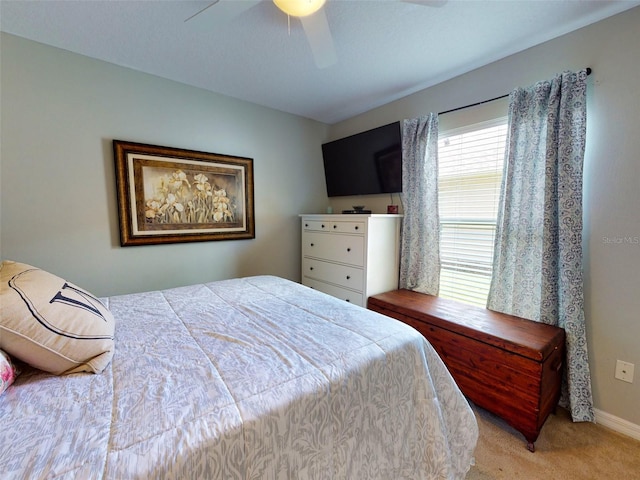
column 52, row 324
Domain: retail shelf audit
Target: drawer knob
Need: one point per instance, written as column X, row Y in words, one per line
column 310, row 268
column 357, row 227
column 306, row 224
column 312, row 244
column 335, row 226
column 348, row 277
column 322, row 226
column 348, row 249
column 347, row 300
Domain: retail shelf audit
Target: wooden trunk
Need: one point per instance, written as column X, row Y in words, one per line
column 507, row 365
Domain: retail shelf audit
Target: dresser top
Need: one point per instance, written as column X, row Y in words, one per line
column 347, row 216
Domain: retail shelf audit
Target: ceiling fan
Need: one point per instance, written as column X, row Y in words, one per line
column 312, row 17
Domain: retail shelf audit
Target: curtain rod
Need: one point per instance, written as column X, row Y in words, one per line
column 487, row 101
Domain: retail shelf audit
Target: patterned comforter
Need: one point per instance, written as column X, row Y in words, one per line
column 253, row 378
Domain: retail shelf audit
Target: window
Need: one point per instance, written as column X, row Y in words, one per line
column 470, row 163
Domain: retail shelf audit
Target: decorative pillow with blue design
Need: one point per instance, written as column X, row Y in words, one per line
column 52, row 324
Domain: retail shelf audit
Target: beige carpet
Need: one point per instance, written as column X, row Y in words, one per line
column 564, row 450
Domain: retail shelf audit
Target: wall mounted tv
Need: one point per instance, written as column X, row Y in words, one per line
column 365, row 163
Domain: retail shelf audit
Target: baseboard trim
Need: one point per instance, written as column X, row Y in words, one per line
column 617, row 424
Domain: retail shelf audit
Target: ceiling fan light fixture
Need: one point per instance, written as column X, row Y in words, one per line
column 299, row 8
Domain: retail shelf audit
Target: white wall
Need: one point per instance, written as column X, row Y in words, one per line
column 60, row 113
column 611, row 179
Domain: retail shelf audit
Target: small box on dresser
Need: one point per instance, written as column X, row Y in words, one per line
column 351, row 256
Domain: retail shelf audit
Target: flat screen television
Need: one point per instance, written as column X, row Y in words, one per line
column 366, row 163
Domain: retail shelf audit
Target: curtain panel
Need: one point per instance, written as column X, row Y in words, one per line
column 537, row 271
column 420, row 245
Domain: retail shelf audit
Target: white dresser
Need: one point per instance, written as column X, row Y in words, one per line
column 351, row 256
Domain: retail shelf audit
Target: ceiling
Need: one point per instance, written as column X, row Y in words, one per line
column 386, row 49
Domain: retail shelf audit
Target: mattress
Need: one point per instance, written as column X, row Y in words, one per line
column 251, row 378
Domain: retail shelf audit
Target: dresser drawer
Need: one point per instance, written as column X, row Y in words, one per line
column 341, row 293
column 333, row 226
column 346, row 276
column 338, row 248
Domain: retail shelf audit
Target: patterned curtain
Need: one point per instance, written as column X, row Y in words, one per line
column 537, row 270
column 420, row 247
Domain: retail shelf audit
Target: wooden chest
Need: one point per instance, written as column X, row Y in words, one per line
column 507, row 365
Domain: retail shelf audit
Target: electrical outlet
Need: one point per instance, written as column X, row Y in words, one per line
column 624, row 371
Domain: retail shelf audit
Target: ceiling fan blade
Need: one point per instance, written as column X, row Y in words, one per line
column 201, row 10
column 427, row 3
column 219, row 12
column 316, row 28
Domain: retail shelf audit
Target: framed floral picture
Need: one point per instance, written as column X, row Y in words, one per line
column 169, row 195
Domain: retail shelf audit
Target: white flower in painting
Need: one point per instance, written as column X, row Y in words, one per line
column 172, row 201
column 154, row 208
column 177, row 180
column 200, row 178
column 221, row 210
column 203, row 186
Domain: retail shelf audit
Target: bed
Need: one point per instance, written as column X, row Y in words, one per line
column 249, row 378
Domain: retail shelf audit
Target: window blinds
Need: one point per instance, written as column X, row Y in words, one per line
column 470, row 163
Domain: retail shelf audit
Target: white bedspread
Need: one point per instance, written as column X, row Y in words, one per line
column 254, row 378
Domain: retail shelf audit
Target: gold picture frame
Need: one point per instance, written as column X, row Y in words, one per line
column 172, row 195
